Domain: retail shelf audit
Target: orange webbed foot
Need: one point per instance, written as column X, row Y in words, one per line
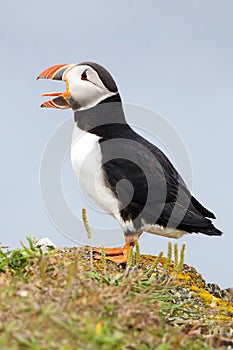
column 117, row 255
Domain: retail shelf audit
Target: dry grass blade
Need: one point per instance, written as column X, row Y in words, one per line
column 89, row 234
column 103, row 258
column 155, row 264
column 176, row 256
column 169, row 256
column 181, row 262
column 138, row 254
column 130, row 258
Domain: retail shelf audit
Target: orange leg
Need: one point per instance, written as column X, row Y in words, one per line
column 118, row 255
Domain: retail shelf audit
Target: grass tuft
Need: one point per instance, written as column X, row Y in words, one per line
column 16, row 260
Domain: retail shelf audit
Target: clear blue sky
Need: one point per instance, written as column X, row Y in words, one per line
column 175, row 57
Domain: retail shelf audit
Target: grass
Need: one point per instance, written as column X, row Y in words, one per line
column 59, row 301
column 18, row 259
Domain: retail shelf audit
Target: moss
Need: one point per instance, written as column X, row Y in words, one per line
column 207, row 297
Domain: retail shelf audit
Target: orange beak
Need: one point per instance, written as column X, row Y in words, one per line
column 57, row 72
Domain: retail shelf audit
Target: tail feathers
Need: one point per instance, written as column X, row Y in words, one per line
column 211, row 231
column 200, row 224
column 202, row 209
column 190, row 221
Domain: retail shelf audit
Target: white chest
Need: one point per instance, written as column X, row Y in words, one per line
column 86, row 160
column 84, row 150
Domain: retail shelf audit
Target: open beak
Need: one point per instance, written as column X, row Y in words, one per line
column 57, row 72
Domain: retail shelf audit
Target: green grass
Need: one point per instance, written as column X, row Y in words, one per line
column 59, row 301
column 18, row 259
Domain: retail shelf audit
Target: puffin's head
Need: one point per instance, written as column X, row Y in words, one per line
column 87, row 84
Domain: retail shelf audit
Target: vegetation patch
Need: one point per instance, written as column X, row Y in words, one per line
column 65, row 299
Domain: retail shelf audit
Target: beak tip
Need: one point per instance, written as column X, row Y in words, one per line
column 54, row 72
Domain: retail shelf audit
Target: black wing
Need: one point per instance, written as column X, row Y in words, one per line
column 153, row 191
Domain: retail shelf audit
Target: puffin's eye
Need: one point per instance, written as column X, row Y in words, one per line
column 84, row 75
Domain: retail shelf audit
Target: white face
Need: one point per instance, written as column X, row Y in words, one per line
column 85, row 86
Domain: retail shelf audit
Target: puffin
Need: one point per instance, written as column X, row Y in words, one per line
column 125, row 174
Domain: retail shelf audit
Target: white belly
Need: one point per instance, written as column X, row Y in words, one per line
column 86, row 161
column 163, row 231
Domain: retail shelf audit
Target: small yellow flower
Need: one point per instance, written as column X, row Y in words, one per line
column 98, row 328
